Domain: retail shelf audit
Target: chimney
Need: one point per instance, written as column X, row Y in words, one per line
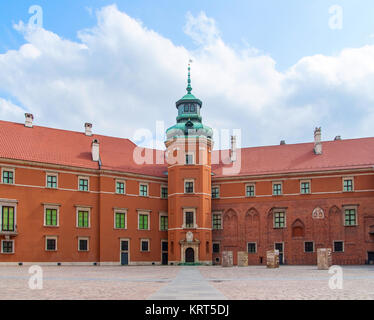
column 88, row 129
column 283, row 142
column 233, row 148
column 317, row 141
column 28, row 120
column 338, row 138
column 95, row 150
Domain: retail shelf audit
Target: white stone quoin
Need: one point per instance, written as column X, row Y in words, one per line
column 317, row 141
column 88, row 129
column 95, row 150
column 28, row 120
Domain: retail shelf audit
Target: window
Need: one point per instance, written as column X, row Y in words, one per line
column 8, row 176
column 143, row 222
column 252, row 247
column 83, row 219
column 347, row 184
column 82, row 244
column 163, row 223
column 144, row 245
column 124, row 245
column 250, row 190
column 120, row 187
column 188, row 186
column 279, row 220
column 338, row 246
column 83, row 184
column 189, row 216
column 143, row 190
column 215, row 192
column 52, row 181
column 51, row 217
column 309, row 246
column 305, row 187
column 189, row 158
column 186, row 109
column 120, row 220
column 217, row 221
column 277, row 189
column 7, row 219
column 164, row 192
column 7, row 246
column 51, row 244
column 350, row 217
column 215, row 247
column 164, row 246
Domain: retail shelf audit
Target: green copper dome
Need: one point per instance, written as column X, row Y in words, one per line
column 189, row 121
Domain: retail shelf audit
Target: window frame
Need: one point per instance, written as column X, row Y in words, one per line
column 51, row 207
column 124, row 186
column 88, row 183
column 219, row 192
column 83, row 209
column 281, row 188
column 220, row 219
column 352, row 186
column 88, row 244
column 314, row 249
column 301, row 186
column 8, row 205
column 148, row 214
column 255, row 244
column 167, row 192
column 219, row 247
column 118, row 211
column 51, row 174
column 163, row 214
column 333, row 245
column 2, row 247
column 13, row 171
column 51, row 238
column 274, row 219
column 140, row 189
column 193, row 210
column 254, row 190
column 141, row 245
column 345, row 208
column 193, row 186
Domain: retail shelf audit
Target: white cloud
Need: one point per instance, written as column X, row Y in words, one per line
column 122, row 76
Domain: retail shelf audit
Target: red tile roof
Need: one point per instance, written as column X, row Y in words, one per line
column 61, row 147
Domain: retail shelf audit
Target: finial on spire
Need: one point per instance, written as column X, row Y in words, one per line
column 189, row 88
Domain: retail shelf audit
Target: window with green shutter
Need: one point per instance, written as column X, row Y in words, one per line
column 83, row 219
column 120, row 220
column 7, row 219
column 51, row 217
column 143, row 222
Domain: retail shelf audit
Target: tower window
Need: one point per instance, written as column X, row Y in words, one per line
column 188, row 187
column 192, row 108
column 189, row 219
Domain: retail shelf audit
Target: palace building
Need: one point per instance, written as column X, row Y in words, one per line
column 71, row 198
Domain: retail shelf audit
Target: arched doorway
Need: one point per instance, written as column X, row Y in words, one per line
column 190, row 255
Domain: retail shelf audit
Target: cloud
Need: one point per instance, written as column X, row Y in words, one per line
column 122, row 76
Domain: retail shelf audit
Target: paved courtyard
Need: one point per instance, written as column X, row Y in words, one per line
column 198, row 283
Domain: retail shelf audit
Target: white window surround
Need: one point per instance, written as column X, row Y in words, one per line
column 161, row 187
column 58, row 215
column 194, row 218
column 285, row 219
column 149, row 245
column 162, row 214
column 310, row 186
column 350, row 207
column 193, row 185
column 51, row 174
column 314, row 247
column 254, row 189
column 147, row 213
column 220, row 214
column 272, row 185
column 255, row 243
column 89, row 216
column 85, row 178
column 353, row 183
column 11, row 170
column 114, row 218
column 5, row 203
column 333, row 246
column 124, row 186
column 219, row 191
column 51, row 237
column 13, row 249
column 88, row 243
column 144, row 184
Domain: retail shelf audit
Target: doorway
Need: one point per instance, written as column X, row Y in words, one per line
column 279, row 246
column 124, row 252
column 370, row 257
column 164, row 252
column 190, row 255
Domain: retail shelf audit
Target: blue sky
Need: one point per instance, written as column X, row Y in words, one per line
column 274, row 69
column 287, row 29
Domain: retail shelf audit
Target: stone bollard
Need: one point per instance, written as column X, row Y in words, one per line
column 242, row 259
column 272, row 259
column 324, row 258
column 227, row 259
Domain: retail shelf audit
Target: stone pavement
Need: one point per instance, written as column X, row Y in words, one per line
column 188, row 285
